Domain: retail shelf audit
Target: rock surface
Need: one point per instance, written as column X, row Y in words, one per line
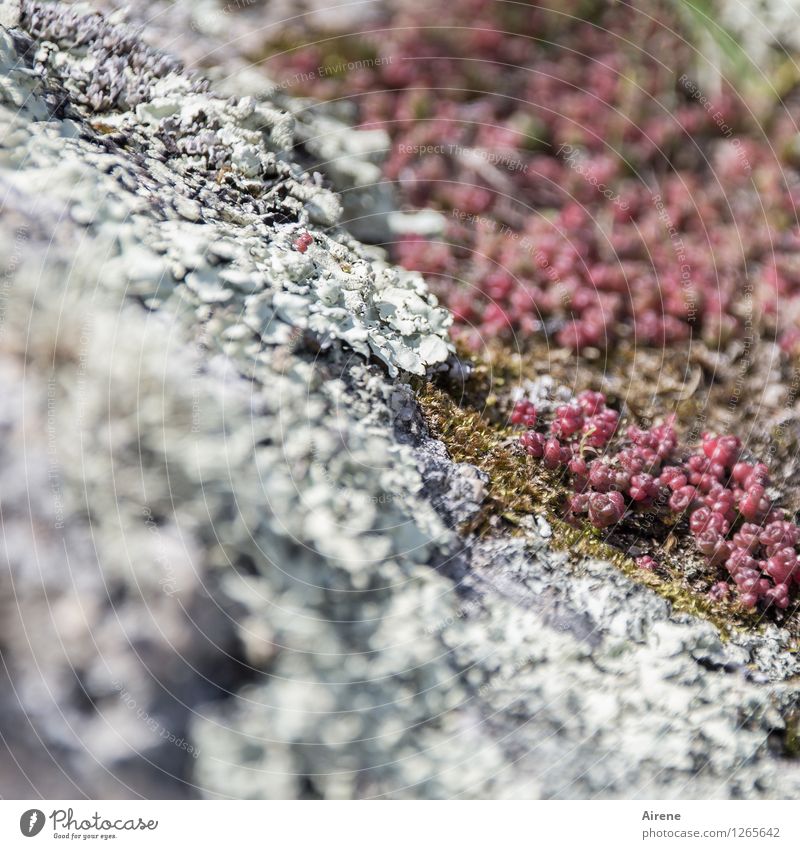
column 234, row 563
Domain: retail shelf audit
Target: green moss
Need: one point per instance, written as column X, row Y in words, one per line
column 334, row 52
column 517, row 486
column 791, row 740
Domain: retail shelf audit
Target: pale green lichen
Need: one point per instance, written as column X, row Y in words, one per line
column 332, row 290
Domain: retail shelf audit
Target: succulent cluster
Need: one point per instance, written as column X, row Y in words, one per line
column 631, row 211
column 725, row 499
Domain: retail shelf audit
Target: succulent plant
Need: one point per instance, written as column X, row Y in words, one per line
column 732, row 521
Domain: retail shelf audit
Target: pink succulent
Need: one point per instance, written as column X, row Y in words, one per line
column 524, row 413
column 606, row 508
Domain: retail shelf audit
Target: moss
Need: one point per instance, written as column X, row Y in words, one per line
column 517, row 486
column 791, row 740
column 333, row 53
